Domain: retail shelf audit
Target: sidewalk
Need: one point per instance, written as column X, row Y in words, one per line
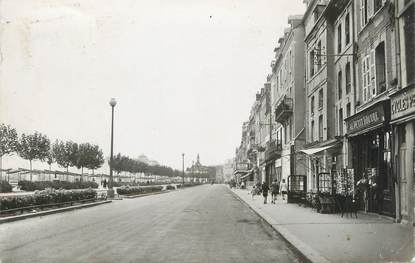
column 331, row 238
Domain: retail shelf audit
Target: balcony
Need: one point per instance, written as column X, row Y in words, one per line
column 284, row 110
column 273, row 150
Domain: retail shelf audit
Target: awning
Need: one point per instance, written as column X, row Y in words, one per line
column 316, row 150
column 245, row 175
column 241, row 172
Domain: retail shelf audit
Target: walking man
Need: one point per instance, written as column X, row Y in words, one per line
column 283, row 188
column 274, row 191
column 265, row 190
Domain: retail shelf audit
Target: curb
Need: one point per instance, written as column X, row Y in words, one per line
column 302, row 248
column 50, row 212
column 142, row 195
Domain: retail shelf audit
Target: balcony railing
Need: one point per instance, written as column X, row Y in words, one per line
column 273, row 150
column 284, row 110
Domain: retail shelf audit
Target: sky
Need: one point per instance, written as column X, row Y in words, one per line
column 184, row 72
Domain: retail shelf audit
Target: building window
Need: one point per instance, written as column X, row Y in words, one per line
column 291, row 65
column 380, row 67
column 311, row 63
column 348, row 110
column 341, row 122
column 312, row 106
column 320, row 128
column 363, row 12
column 285, row 133
column 348, row 78
column 366, row 78
column 312, row 131
column 339, row 84
column 320, row 99
column 316, row 15
column 318, row 55
column 339, row 38
column 347, row 29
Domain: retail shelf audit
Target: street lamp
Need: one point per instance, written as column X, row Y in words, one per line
column 110, row 193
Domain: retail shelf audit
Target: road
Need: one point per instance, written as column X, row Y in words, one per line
column 199, row 224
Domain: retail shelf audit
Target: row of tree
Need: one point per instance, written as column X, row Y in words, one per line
column 37, row 146
column 122, row 163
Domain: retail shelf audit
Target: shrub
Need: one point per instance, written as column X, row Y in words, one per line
column 170, row 187
column 42, row 185
column 48, row 196
column 5, row 187
column 119, row 184
column 127, row 190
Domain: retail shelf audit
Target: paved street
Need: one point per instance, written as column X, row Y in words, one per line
column 200, row 224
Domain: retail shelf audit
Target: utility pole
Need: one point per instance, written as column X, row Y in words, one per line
column 183, row 169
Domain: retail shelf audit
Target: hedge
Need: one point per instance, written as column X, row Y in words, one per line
column 127, row 190
column 49, row 196
column 5, row 187
column 188, row 185
column 42, row 185
column 170, row 187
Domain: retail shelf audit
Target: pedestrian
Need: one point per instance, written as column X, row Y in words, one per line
column 275, row 188
column 265, row 190
column 243, row 185
column 253, row 191
column 283, row 188
column 105, row 183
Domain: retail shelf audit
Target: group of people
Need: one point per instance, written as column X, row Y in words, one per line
column 275, row 189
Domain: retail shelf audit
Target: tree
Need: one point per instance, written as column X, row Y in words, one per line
column 89, row 156
column 96, row 158
column 50, row 159
column 61, row 155
column 8, row 143
column 81, row 159
column 34, row 147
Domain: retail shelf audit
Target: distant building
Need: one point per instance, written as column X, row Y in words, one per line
column 198, row 172
column 228, row 169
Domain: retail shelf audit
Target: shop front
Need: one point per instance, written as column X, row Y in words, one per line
column 403, row 125
column 272, row 153
column 370, row 138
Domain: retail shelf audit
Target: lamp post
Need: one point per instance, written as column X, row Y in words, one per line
column 110, row 193
column 183, row 169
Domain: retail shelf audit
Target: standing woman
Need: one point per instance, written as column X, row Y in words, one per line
column 265, row 190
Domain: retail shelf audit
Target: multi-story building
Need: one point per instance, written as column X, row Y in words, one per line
column 241, row 165
column 403, row 111
column 322, row 147
column 287, row 100
column 228, row 169
column 368, row 130
column 341, row 14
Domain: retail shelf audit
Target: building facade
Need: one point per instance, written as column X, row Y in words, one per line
column 288, row 101
column 342, row 100
column 403, row 112
column 322, row 147
column 368, row 130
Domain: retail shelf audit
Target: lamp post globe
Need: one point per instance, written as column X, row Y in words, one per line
column 110, row 192
column 113, row 102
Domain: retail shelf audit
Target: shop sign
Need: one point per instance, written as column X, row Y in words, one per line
column 366, row 119
column 403, row 104
column 242, row 166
